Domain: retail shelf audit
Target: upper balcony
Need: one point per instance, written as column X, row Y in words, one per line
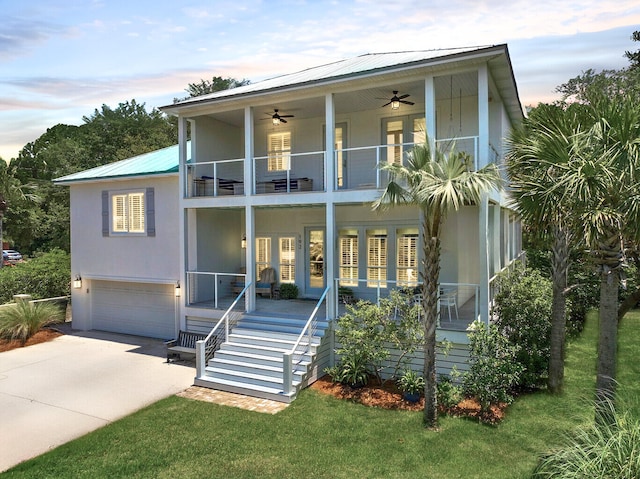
column 276, row 144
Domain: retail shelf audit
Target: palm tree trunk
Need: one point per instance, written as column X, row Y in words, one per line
column 431, row 269
column 610, row 254
column 560, row 267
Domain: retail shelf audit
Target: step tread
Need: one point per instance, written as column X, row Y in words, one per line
column 248, row 387
column 242, row 374
column 259, row 357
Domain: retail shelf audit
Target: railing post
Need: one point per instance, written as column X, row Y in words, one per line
column 200, row 358
column 215, row 290
column 287, row 367
column 378, row 166
column 215, row 181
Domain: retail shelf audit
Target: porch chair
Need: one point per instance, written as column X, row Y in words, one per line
column 267, row 282
column 448, row 298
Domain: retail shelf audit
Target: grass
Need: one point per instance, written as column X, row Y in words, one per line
column 321, row 437
column 22, row 320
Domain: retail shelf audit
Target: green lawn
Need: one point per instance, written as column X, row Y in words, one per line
column 321, row 437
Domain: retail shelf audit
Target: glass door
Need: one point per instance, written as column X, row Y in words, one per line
column 315, row 279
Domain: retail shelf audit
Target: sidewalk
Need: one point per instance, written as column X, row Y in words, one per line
column 54, row 392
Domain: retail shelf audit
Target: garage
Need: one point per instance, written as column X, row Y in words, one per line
column 142, row 309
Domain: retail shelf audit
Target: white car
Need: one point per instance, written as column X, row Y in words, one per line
column 11, row 255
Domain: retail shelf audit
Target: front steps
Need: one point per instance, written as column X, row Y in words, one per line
column 250, row 361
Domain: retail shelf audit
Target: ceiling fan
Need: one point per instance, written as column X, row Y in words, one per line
column 395, row 100
column 277, row 118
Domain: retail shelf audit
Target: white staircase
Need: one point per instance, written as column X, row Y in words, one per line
column 250, row 361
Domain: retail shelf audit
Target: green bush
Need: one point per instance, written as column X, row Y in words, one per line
column 288, row 291
column 45, row 276
column 598, row 451
column 449, row 393
column 411, row 382
column 523, row 308
column 494, row 371
column 367, row 331
column 22, row 320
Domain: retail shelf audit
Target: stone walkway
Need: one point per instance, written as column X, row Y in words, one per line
column 235, row 400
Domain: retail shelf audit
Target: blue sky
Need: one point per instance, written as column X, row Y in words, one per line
column 62, row 59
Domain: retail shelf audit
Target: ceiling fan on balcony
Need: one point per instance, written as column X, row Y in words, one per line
column 277, row 118
column 395, row 100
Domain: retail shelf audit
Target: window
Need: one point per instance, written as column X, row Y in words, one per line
column 279, row 156
column 263, row 255
column 419, row 131
column 288, row 260
column 348, row 259
column 128, row 213
column 394, row 140
column 376, row 259
column 407, row 259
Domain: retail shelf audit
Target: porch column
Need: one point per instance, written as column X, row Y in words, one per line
column 330, row 258
column 330, row 183
column 497, row 239
column 430, row 109
column 483, row 117
column 183, row 223
column 249, row 217
column 483, row 263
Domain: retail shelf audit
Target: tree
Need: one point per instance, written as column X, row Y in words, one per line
column 216, row 83
column 436, row 183
column 536, row 153
column 601, row 179
column 634, row 57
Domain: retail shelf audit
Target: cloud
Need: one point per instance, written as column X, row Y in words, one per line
column 17, row 35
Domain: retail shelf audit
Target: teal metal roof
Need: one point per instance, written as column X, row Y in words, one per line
column 156, row 162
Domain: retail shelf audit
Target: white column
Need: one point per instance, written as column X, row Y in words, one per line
column 330, row 257
column 430, row 109
column 183, row 223
column 249, row 217
column 330, row 220
column 483, row 255
column 330, row 142
column 497, row 238
column 483, row 116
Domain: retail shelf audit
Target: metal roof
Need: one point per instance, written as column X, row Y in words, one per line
column 156, row 162
column 345, row 68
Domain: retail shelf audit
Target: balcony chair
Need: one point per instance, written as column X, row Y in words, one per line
column 448, row 299
column 266, row 284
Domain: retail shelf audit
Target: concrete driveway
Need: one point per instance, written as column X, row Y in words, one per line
column 54, row 392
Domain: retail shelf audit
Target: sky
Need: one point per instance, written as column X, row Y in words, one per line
column 62, row 59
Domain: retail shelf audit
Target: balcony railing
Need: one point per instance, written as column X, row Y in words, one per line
column 208, row 289
column 284, row 172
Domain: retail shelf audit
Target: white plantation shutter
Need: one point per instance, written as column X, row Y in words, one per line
column 279, row 151
column 407, row 261
column 287, row 260
column 395, row 138
column 377, row 261
column 349, row 260
column 119, row 214
column 263, row 255
column 136, row 213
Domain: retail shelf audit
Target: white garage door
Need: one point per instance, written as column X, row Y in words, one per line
column 142, row 309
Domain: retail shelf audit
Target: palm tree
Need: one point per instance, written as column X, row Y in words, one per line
column 537, row 151
column 602, row 178
column 436, row 183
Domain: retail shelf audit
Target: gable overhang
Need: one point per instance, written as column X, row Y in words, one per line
column 300, row 86
column 104, row 179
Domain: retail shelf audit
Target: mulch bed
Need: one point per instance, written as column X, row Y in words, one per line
column 387, row 396
column 41, row 336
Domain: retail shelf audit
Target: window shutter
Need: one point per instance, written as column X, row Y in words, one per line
column 119, row 213
column 105, row 213
column 136, row 213
column 151, row 212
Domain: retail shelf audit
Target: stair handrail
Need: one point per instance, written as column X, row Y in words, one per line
column 201, row 355
column 287, row 357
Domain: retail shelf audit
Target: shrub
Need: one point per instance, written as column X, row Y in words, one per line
column 411, row 382
column 288, row 291
column 523, row 307
column 22, row 320
column 597, row 451
column 449, row 393
column 494, row 370
column 45, row 276
column 367, row 332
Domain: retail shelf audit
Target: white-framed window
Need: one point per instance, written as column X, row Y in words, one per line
column 279, row 151
column 377, row 259
column 348, row 259
column 263, row 255
column 288, row 259
column 407, row 258
column 128, row 212
column 394, row 138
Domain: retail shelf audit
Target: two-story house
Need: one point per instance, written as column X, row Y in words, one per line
column 275, row 186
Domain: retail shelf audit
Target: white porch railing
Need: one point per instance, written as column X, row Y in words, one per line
column 459, row 294
column 294, row 356
column 218, row 335
column 205, row 288
column 215, row 178
column 309, row 168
